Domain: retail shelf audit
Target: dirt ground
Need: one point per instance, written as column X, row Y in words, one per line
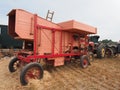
column 102, row 74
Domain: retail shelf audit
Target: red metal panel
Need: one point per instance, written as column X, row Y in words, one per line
column 61, row 42
column 53, row 41
column 74, row 26
column 24, row 23
column 59, row 61
column 46, row 42
column 35, row 34
column 57, row 41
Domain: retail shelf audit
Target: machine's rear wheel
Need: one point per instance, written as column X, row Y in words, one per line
column 14, row 64
column 31, row 71
column 84, row 62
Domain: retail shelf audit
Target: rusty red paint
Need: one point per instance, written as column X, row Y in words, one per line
column 54, row 38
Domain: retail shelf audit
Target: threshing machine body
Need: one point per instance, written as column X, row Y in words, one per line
column 47, row 39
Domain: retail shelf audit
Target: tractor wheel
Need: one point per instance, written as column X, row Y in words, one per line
column 84, row 61
column 101, row 51
column 31, row 71
column 14, row 64
column 109, row 52
column 91, row 56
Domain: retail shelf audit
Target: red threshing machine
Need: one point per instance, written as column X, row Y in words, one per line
column 55, row 44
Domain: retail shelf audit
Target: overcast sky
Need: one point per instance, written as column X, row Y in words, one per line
column 103, row 14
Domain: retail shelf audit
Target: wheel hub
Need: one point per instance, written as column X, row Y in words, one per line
column 103, row 52
column 85, row 62
column 33, row 73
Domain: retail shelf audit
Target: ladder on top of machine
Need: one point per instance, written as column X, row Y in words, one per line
column 49, row 16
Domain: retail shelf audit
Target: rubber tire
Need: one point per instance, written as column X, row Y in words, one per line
column 109, row 50
column 10, row 66
column 99, row 51
column 26, row 68
column 84, row 57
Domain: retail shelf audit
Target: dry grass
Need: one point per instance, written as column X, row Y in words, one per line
column 101, row 75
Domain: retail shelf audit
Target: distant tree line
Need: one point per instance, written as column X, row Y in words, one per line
column 107, row 41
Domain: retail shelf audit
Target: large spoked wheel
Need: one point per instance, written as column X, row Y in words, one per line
column 84, row 62
column 31, row 71
column 14, row 64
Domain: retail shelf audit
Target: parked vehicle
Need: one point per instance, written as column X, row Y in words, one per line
column 54, row 44
column 97, row 47
column 110, row 49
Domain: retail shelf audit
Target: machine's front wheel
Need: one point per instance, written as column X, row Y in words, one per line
column 84, row 62
column 31, row 71
column 14, row 64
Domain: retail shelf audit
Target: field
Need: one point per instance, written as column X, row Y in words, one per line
column 102, row 74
